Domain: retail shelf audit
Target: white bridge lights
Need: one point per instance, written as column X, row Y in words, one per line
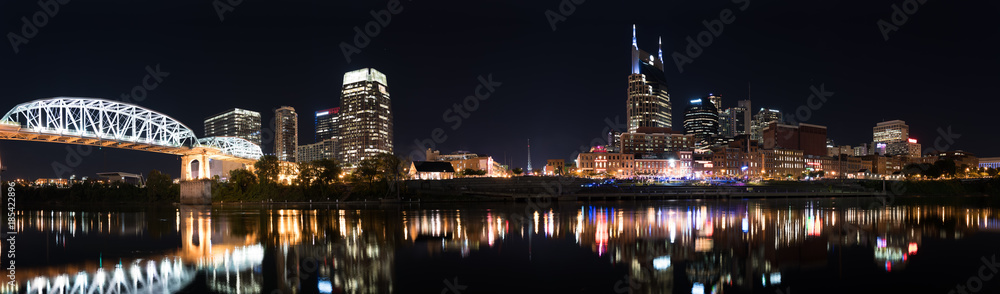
column 87, row 120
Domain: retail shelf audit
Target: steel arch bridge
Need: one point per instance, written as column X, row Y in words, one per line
column 234, row 146
column 108, row 123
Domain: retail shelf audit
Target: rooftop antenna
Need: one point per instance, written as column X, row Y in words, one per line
column 529, row 155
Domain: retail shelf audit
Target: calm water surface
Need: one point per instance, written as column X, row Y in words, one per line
column 757, row 246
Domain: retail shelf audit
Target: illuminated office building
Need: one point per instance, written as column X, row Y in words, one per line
column 735, row 121
column 327, row 124
column 716, row 100
column 237, row 122
column 326, row 149
column 648, row 102
column 701, row 119
column 891, row 138
column 286, row 133
column 761, row 120
column 365, row 116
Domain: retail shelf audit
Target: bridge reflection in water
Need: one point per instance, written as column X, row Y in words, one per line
column 745, row 246
column 226, row 257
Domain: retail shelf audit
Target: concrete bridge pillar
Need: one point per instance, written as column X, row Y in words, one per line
column 194, row 166
column 196, row 187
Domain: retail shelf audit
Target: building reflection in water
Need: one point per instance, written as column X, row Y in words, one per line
column 331, row 249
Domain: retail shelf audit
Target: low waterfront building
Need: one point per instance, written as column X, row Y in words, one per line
column 989, row 162
column 671, row 164
column 51, row 182
column 738, row 159
column 649, row 140
column 600, row 162
column 841, row 166
column 123, row 177
column 782, row 163
column 962, row 159
column 555, row 167
column 431, row 170
column 887, row 165
column 462, row 160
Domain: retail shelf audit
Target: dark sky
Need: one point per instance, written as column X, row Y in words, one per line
column 938, row 70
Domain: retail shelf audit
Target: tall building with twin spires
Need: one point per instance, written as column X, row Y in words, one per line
column 365, row 116
column 648, row 102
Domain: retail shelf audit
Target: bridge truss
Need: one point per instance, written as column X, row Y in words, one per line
column 107, row 123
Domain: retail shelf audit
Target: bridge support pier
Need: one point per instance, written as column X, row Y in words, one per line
column 196, row 192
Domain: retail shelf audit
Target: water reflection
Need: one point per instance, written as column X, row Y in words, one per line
column 657, row 248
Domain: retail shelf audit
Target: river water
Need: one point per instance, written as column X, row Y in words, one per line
column 848, row 245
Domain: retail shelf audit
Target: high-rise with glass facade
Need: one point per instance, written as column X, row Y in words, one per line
column 365, row 116
column 237, row 122
column 648, row 102
column 761, row 120
column 286, row 133
column 737, row 120
column 701, row 119
column 327, row 124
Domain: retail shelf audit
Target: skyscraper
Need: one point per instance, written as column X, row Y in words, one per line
column 761, row 120
column 286, row 133
column 716, row 100
column 235, row 123
column 327, row 124
column 724, row 122
column 365, row 116
column 648, row 102
column 701, row 119
column 736, row 121
column 891, row 137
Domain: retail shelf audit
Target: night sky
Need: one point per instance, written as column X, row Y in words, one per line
column 938, row 70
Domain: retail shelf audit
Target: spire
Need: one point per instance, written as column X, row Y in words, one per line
column 634, row 45
column 635, row 53
column 660, row 53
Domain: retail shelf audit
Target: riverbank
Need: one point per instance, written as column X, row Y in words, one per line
column 466, row 191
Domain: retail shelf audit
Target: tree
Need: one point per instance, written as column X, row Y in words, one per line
column 158, row 186
column 378, row 174
column 518, row 171
column 946, row 167
column 912, row 169
column 473, row 172
column 931, row 171
column 390, row 167
column 242, row 178
column 993, row 172
column 328, row 171
column 307, row 174
column 267, row 169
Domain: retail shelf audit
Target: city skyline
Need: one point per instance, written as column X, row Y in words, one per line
column 560, row 119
